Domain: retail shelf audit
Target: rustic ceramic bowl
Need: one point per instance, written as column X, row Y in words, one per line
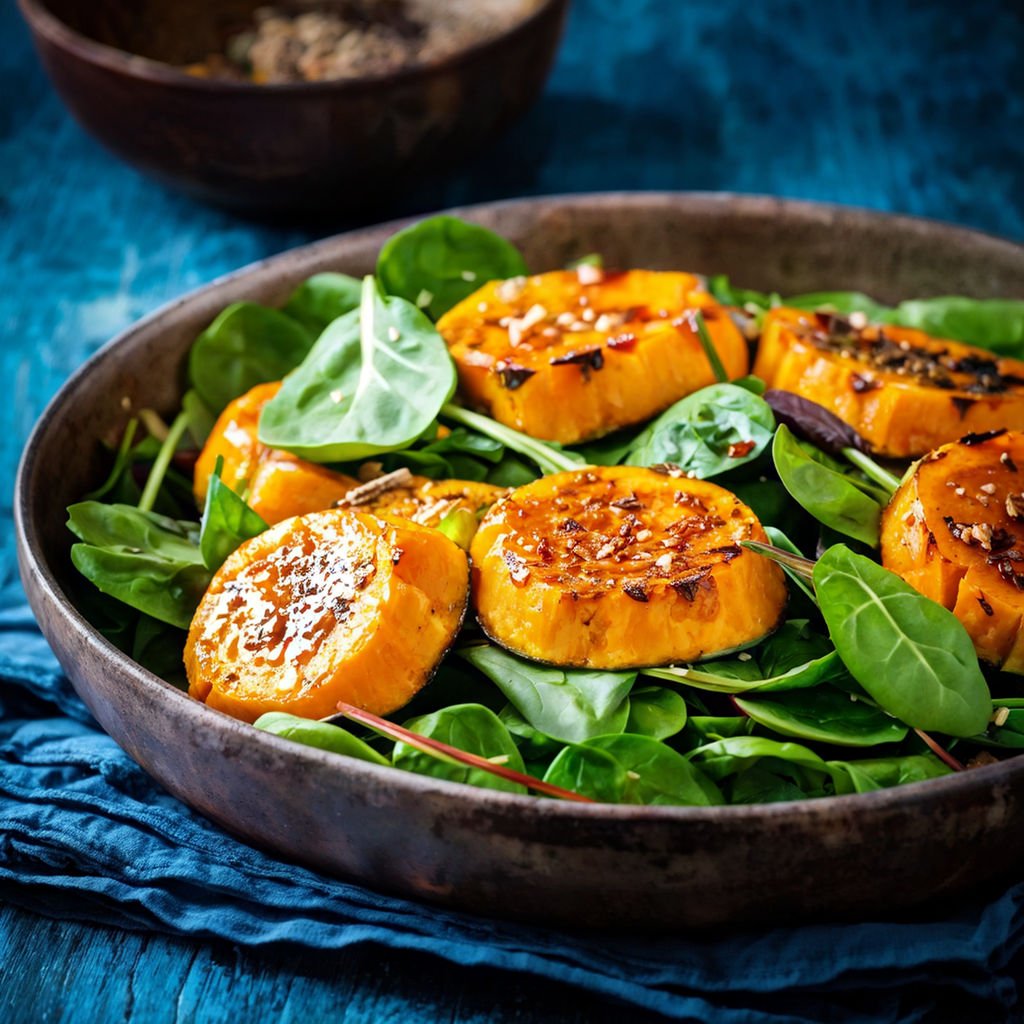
column 307, row 147
column 491, row 852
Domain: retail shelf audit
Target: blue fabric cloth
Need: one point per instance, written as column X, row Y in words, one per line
column 916, row 108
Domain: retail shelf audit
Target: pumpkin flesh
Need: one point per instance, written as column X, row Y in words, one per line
column 902, row 390
column 571, row 355
column 334, row 606
column 954, row 530
column 622, row 567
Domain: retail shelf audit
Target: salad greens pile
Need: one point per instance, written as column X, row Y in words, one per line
column 868, row 684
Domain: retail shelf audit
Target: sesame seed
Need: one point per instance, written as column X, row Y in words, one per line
column 643, row 535
column 394, row 334
column 960, row 492
column 1001, row 716
column 424, row 298
column 482, row 307
column 510, row 290
column 469, row 275
column 589, row 315
column 586, row 273
column 499, row 759
column 336, row 396
column 632, row 775
column 858, row 321
column 664, row 562
column 744, row 656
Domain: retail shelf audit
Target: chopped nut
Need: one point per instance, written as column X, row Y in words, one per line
column 988, row 488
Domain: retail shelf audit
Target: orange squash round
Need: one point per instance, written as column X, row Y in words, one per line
column 334, row 606
column 954, row 530
column 621, row 567
column 902, row 390
column 571, row 355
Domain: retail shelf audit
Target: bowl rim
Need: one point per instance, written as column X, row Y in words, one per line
column 924, row 795
column 65, row 38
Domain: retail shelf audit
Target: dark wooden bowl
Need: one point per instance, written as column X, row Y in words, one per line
column 306, row 147
column 491, row 852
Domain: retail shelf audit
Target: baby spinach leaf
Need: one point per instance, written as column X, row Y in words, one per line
column 910, row 654
column 656, row 711
column 374, row 382
column 469, row 727
column 246, row 345
column 146, row 560
column 657, row 774
column 828, row 495
column 842, row 303
column 200, row 419
column 762, row 770
column 709, row 432
column 590, row 772
column 533, row 745
column 702, row 730
column 442, row 260
column 227, row 522
column 321, row 299
column 572, row 705
column 874, row 773
column 459, row 455
column 322, row 735
column 550, row 457
column 824, row 715
column 793, row 644
column 995, row 324
column 730, row 295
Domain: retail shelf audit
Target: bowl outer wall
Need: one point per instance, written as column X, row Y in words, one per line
column 301, row 147
column 496, row 853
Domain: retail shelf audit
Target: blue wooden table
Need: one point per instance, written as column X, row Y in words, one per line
column 911, row 107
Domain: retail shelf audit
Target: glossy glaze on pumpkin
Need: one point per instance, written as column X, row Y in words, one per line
column 570, row 355
column 902, row 390
column 332, row 606
column 619, row 567
column 954, row 530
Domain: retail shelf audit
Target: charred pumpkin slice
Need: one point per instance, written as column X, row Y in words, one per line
column 954, row 530
column 571, row 355
column 332, row 606
column 902, row 390
column 621, row 567
column 427, row 502
column 276, row 484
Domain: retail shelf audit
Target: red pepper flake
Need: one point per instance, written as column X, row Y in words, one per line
column 740, row 449
column 623, row 342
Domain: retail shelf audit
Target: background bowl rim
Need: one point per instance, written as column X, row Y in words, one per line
column 924, row 794
column 111, row 58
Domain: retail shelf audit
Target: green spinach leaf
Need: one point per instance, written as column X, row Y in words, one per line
column 321, row 299
column 246, row 345
column 709, row 432
column 442, row 260
column 590, row 772
column 374, row 382
column 827, row 494
column 227, row 522
column 873, row 773
column 824, row 715
column 657, row 774
column 572, row 705
column 656, row 711
column 146, row 560
column 910, row 654
column 322, row 735
column 469, row 727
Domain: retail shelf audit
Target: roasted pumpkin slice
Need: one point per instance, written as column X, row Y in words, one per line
column 954, row 530
column 427, row 502
column 327, row 607
column 571, row 355
column 621, row 567
column 276, row 484
column 902, row 390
